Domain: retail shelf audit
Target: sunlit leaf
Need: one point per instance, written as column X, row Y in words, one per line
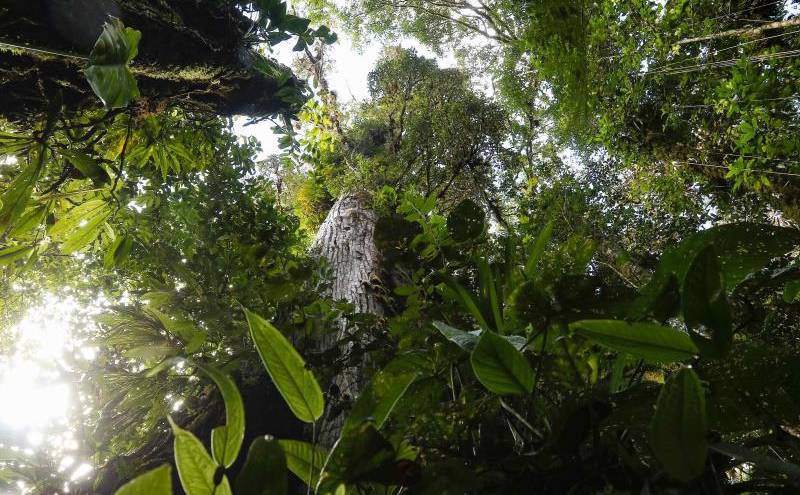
column 15, row 199
column 108, row 72
column 196, row 469
column 11, row 254
column 119, row 251
column 157, row 481
column 288, row 371
column 227, row 440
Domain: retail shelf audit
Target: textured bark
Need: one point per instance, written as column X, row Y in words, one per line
column 345, row 240
column 192, row 52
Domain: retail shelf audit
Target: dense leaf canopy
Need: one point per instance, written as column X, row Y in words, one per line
column 585, row 214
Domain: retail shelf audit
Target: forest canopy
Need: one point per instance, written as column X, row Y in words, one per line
column 551, row 247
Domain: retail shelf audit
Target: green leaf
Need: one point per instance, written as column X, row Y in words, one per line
column 360, row 455
column 157, row 481
column 464, row 340
column 227, row 440
column 678, row 430
column 119, row 251
column 538, row 249
column 378, row 400
column 457, row 292
column 705, row 304
column 277, row 37
column 468, row 340
column 15, row 198
column 108, row 72
column 489, row 294
column 31, row 219
column 264, row 472
column 86, row 231
column 304, row 460
column 500, row 367
column 294, row 24
column 288, row 371
column 196, row 469
column 70, row 221
column 791, row 291
column 88, row 166
column 14, row 253
column 184, row 328
column 300, row 45
column 652, row 342
column 467, row 221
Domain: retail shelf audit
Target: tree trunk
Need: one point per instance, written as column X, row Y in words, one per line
column 192, row 53
column 345, row 241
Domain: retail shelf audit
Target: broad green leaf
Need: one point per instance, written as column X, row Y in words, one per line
column 71, row 220
column 14, row 253
column 29, row 220
column 86, row 232
column 705, row 304
column 361, row 454
column 264, row 472
column 276, row 37
column 645, row 340
column 150, row 353
column 500, row 367
column 464, row 340
column 157, row 481
column 87, row 165
column 118, row 252
column 304, row 460
column 108, row 72
column 288, row 371
column 377, row 401
column 183, row 328
column 457, row 292
column 538, row 249
column 15, row 198
column 678, row 430
column 489, row 294
column 196, row 469
column 791, row 291
column 468, row 340
column 227, row 440
column 294, row 24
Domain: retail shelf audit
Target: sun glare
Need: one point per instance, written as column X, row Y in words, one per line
column 39, row 382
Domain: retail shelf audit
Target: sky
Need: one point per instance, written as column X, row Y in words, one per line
column 349, row 69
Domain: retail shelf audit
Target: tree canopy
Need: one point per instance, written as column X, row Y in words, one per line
column 555, row 248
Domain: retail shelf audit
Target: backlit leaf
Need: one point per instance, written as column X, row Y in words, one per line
column 108, row 71
column 157, row 481
column 288, row 371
